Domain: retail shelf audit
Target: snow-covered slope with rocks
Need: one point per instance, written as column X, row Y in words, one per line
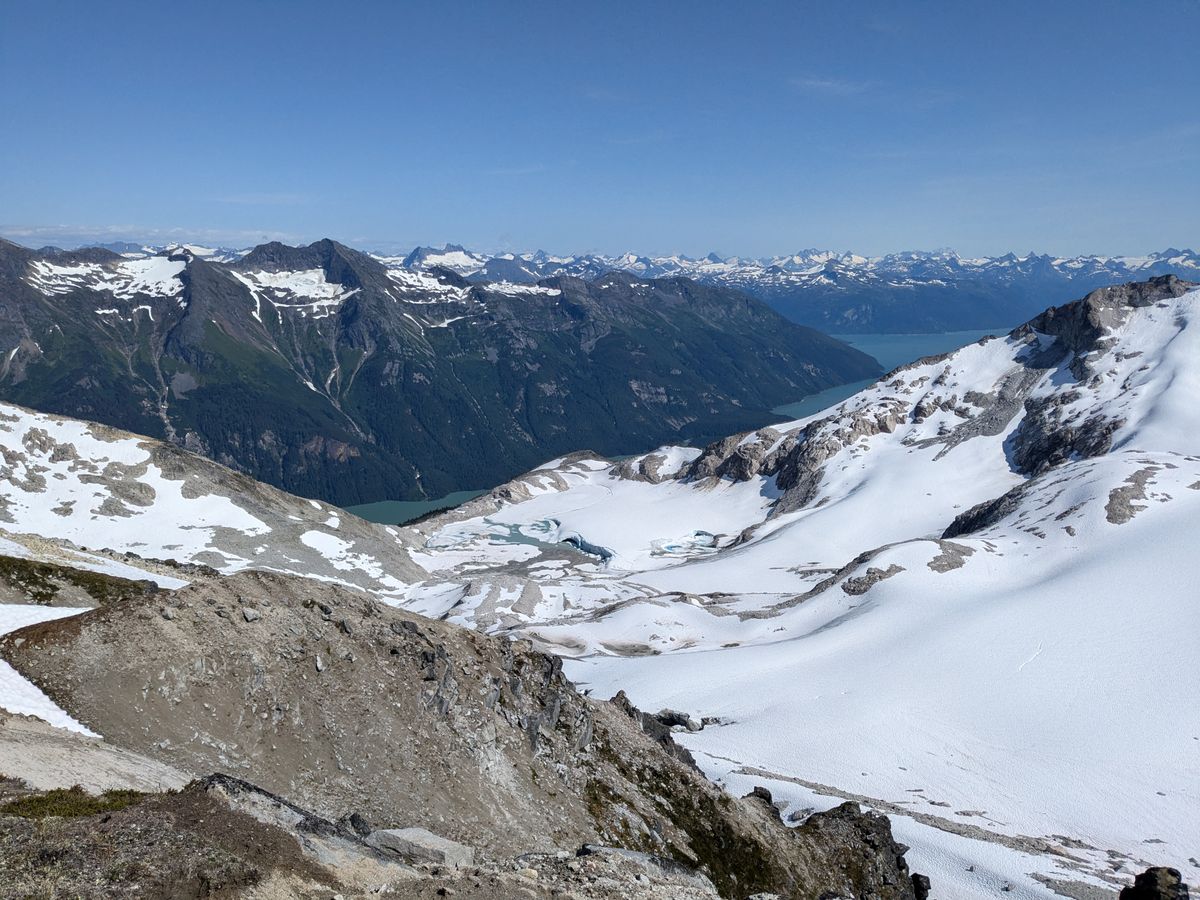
column 84, row 495
column 962, row 595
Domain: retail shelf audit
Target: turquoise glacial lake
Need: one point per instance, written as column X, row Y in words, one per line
column 397, row 512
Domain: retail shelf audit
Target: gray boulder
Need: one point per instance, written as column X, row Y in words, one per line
column 419, row 845
column 1158, row 883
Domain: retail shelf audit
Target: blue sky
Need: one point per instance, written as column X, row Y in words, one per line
column 748, row 128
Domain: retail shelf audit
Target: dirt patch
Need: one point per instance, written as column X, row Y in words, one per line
column 168, row 845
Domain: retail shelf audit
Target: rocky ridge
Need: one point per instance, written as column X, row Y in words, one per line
column 341, row 705
column 1080, row 334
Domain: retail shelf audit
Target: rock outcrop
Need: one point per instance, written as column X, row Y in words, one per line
column 1158, row 883
column 1048, row 434
column 338, row 704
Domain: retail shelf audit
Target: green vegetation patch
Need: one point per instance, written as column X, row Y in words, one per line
column 42, row 581
column 70, row 803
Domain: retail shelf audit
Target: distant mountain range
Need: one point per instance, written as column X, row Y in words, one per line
column 338, row 375
column 844, row 293
column 839, row 293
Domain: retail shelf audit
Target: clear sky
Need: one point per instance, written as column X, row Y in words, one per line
column 1066, row 126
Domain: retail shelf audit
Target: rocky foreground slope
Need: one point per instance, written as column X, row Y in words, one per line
column 358, row 712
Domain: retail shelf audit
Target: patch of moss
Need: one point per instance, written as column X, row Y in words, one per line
column 42, row 581
column 70, row 803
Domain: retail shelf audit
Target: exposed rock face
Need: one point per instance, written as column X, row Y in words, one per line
column 649, row 467
column 655, row 728
column 1082, row 324
column 1046, row 436
column 337, row 704
column 987, row 513
column 420, row 845
column 863, row 583
column 1159, row 883
column 795, row 459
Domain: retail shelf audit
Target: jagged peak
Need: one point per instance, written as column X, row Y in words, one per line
column 338, row 261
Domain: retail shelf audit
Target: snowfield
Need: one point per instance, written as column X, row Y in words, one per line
column 155, row 276
column 17, row 693
column 306, row 292
column 962, row 596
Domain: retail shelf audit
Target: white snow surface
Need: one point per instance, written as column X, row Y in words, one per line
column 306, row 291
column 510, row 287
column 17, row 693
column 154, row 276
column 1036, row 678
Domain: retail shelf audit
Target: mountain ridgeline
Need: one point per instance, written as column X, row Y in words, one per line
column 842, row 293
column 329, row 373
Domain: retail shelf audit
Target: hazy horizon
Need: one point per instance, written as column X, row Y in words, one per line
column 37, row 238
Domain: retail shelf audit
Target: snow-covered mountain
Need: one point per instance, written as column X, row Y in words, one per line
column 328, row 373
column 83, row 495
column 845, row 292
column 962, row 595
column 838, row 292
